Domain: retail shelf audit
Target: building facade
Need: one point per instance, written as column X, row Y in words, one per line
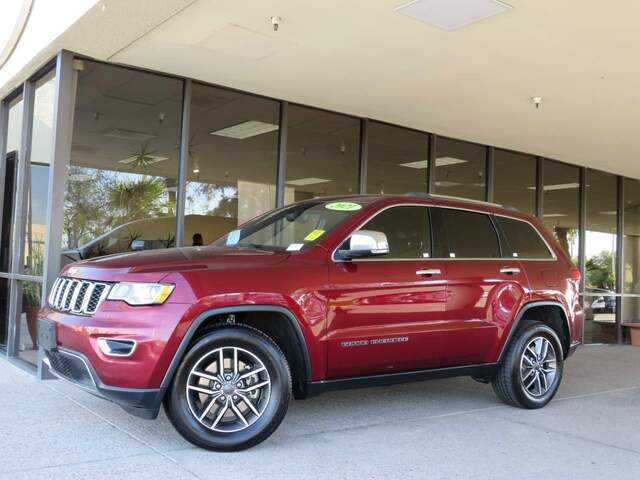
column 99, row 158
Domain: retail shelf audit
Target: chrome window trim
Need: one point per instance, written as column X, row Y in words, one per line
column 447, row 259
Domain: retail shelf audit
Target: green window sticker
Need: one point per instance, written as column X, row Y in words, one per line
column 343, row 206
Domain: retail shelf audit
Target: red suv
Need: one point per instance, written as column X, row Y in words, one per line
column 323, row 294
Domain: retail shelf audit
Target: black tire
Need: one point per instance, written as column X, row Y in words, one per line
column 508, row 383
column 182, row 402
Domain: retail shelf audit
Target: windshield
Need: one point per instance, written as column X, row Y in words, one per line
column 291, row 228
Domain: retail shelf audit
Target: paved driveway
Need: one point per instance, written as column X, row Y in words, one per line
column 442, row 429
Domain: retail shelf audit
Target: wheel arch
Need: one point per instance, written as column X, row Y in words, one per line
column 549, row 312
column 295, row 349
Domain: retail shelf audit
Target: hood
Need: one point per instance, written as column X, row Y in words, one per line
column 154, row 265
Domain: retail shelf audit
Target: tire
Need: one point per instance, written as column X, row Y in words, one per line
column 522, row 379
column 239, row 409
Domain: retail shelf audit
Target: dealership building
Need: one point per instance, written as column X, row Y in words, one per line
column 136, row 125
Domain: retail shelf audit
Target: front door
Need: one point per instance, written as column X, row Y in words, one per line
column 385, row 313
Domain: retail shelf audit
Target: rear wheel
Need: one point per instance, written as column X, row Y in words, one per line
column 531, row 371
column 231, row 390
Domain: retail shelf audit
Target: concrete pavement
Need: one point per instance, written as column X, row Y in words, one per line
column 442, row 429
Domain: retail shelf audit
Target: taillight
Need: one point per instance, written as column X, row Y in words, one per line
column 575, row 274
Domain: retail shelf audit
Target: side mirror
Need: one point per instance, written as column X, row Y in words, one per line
column 365, row 243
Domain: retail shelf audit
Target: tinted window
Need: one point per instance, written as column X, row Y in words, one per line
column 407, row 230
column 467, row 234
column 523, row 240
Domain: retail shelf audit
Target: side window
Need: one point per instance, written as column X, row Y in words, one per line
column 407, row 230
column 523, row 240
column 467, row 234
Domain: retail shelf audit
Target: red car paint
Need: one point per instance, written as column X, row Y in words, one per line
column 461, row 317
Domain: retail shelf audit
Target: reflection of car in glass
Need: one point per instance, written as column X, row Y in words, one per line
column 149, row 234
column 319, row 295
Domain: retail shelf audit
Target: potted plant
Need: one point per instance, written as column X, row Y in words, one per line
column 634, row 329
column 31, row 294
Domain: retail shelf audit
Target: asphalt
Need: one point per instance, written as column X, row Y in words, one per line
column 442, row 429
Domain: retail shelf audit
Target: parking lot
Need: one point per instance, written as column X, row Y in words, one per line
column 445, row 429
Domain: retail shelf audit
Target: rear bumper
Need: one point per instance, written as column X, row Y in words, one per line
column 75, row 368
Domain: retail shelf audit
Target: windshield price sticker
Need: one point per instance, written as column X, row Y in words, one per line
column 314, row 235
column 294, row 247
column 233, row 237
column 343, row 206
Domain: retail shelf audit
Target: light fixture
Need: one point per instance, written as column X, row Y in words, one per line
column 554, row 215
column 307, row 181
column 609, row 212
column 247, row 129
column 452, row 14
column 558, row 186
column 440, row 162
column 149, row 159
column 129, row 135
column 447, row 183
column 196, row 170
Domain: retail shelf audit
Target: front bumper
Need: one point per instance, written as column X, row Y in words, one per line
column 76, row 368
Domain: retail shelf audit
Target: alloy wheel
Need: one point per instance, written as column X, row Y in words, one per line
column 538, row 368
column 228, row 389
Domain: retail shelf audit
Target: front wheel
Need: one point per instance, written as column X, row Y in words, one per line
column 231, row 390
column 531, row 371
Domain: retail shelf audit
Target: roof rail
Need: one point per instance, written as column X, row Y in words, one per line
column 460, row 199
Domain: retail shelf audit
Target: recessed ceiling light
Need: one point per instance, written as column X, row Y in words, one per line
column 452, row 14
column 244, row 130
column 554, row 215
column 129, row 135
column 440, row 162
column 149, row 159
column 447, row 183
column 307, row 181
column 196, row 170
column 558, row 186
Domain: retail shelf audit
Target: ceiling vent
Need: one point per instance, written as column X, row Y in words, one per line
column 452, row 14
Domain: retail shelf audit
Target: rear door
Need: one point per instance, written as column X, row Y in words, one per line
column 484, row 290
column 385, row 313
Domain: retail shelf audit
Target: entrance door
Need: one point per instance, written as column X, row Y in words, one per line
column 385, row 313
column 5, row 242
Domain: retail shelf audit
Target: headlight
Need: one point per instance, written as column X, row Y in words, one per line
column 135, row 293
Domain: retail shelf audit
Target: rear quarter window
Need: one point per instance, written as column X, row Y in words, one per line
column 523, row 240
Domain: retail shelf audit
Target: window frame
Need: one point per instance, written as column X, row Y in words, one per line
column 337, row 259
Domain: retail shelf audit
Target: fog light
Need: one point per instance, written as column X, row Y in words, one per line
column 117, row 347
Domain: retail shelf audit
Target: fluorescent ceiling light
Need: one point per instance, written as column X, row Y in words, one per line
column 558, row 186
column 244, row 130
column 150, row 159
column 129, row 135
column 440, row 162
column 447, row 183
column 609, row 212
column 452, row 14
column 554, row 215
column 307, row 181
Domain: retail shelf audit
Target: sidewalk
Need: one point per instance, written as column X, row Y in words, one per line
column 441, row 429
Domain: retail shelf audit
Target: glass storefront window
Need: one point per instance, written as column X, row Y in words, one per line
column 515, row 180
column 122, row 177
column 27, row 340
column 631, row 281
column 397, row 160
column 233, row 150
column 561, row 204
column 14, row 134
column 322, row 154
column 37, row 175
column 460, row 169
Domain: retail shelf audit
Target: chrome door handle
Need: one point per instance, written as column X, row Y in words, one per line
column 510, row 270
column 429, row 271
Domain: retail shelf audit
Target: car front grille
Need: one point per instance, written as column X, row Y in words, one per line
column 71, row 367
column 80, row 297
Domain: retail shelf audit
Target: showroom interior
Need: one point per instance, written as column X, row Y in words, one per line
column 98, row 158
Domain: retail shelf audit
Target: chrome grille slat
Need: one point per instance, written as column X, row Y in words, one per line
column 79, row 297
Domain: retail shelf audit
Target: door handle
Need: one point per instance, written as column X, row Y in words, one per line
column 510, row 270
column 429, row 271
